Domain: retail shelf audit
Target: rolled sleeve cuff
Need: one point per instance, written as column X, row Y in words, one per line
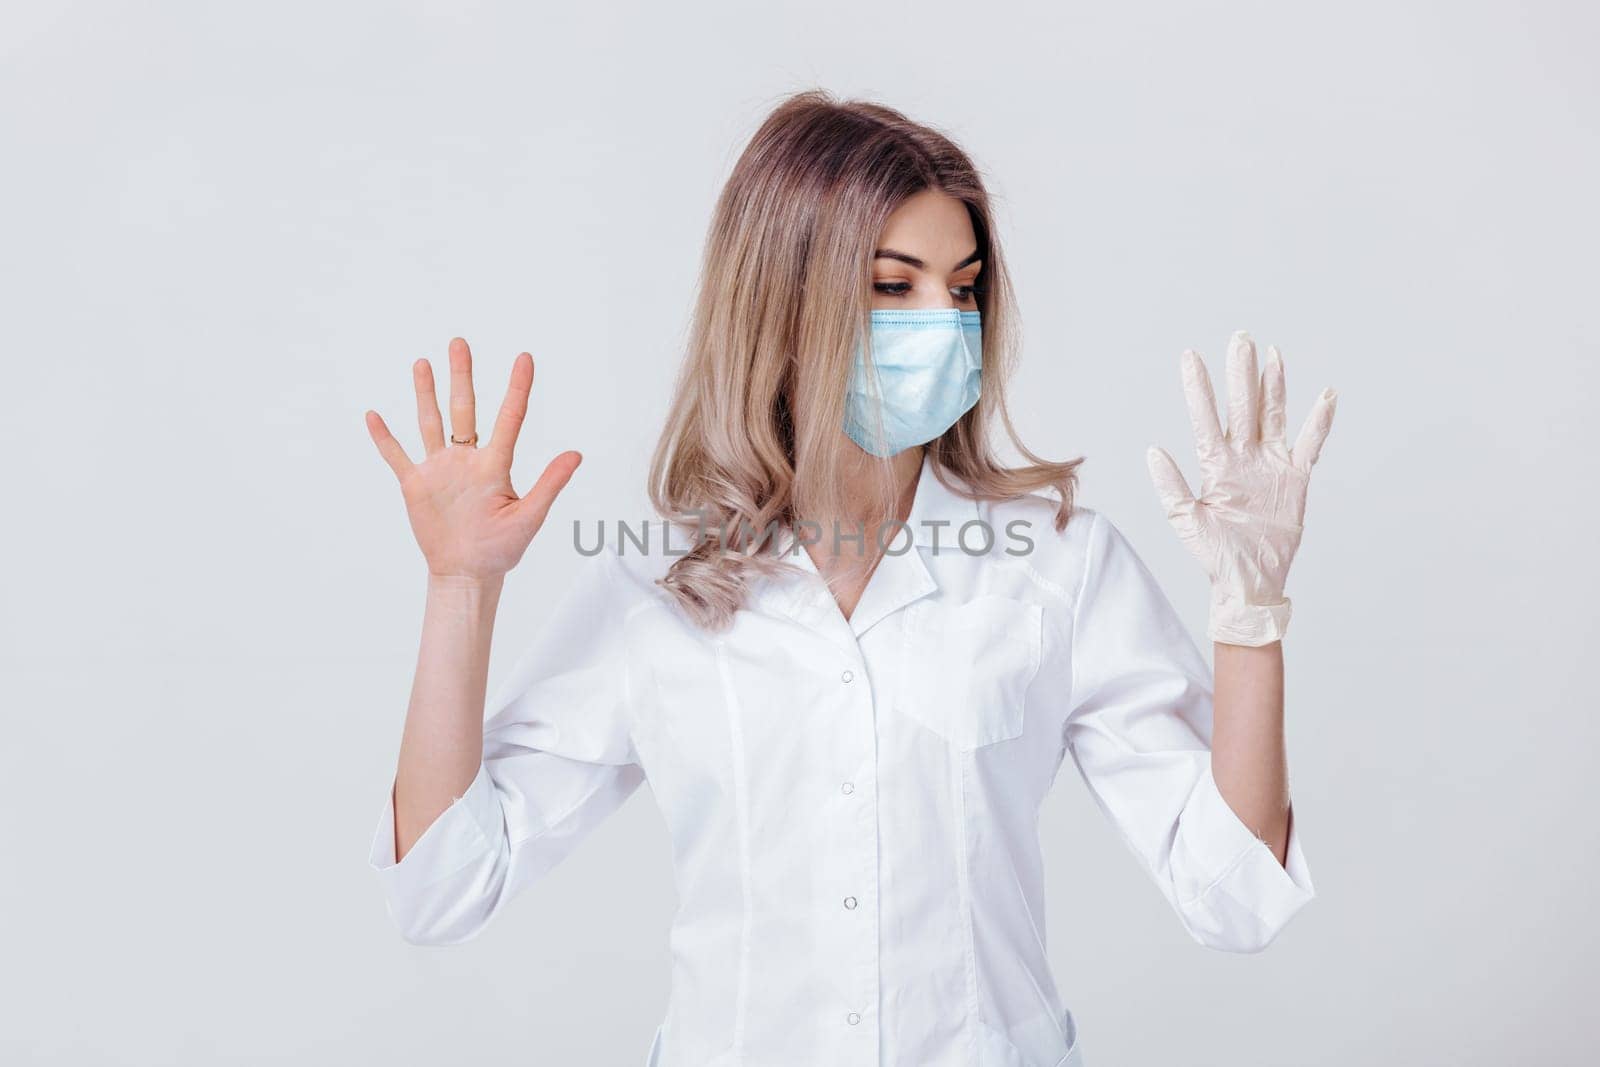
column 1235, row 881
column 461, row 835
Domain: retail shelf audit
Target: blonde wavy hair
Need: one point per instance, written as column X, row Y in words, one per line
column 753, row 443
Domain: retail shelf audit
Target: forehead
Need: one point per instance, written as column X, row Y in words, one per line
column 933, row 226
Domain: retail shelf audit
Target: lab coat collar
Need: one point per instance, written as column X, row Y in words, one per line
column 938, row 511
column 901, row 577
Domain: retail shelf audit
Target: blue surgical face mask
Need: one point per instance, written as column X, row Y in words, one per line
column 928, row 362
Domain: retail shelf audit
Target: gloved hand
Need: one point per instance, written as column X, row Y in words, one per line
column 1246, row 524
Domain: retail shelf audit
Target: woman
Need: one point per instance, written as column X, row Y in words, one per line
column 852, row 677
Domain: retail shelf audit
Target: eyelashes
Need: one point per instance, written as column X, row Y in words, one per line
column 961, row 292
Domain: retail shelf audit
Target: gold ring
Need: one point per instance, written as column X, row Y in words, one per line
column 473, row 440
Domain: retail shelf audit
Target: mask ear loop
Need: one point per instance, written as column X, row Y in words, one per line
column 976, row 357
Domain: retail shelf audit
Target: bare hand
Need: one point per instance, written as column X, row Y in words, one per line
column 468, row 520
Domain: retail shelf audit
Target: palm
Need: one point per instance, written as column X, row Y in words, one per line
column 1233, row 525
column 464, row 512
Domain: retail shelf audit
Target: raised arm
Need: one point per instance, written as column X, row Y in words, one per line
column 472, row 529
column 1245, row 528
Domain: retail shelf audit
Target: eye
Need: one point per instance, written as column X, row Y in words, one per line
column 892, row 288
column 964, row 292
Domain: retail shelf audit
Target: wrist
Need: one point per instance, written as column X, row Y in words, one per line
column 465, row 589
column 1235, row 621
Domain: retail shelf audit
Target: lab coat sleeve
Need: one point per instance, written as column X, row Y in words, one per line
column 557, row 759
column 1139, row 730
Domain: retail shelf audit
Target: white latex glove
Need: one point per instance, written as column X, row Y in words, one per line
column 1246, row 524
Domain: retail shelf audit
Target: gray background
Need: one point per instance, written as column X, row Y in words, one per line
column 227, row 232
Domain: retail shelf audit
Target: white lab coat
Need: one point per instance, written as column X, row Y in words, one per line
column 853, row 803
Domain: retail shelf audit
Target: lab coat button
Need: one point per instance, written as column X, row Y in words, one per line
column 852, row 1018
column 847, row 676
column 850, row 902
column 847, row 788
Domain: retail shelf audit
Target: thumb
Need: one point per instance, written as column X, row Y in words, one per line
column 535, row 506
column 1169, row 482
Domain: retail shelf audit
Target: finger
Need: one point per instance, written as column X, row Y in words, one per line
column 1273, row 397
column 388, row 447
column 1202, row 404
column 1170, row 484
column 1244, row 391
column 1308, row 446
column 428, row 420
column 514, row 408
column 463, row 409
column 533, row 508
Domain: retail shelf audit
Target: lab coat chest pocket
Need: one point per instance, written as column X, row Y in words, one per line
column 967, row 667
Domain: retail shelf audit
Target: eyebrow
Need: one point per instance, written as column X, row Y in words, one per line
column 910, row 260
